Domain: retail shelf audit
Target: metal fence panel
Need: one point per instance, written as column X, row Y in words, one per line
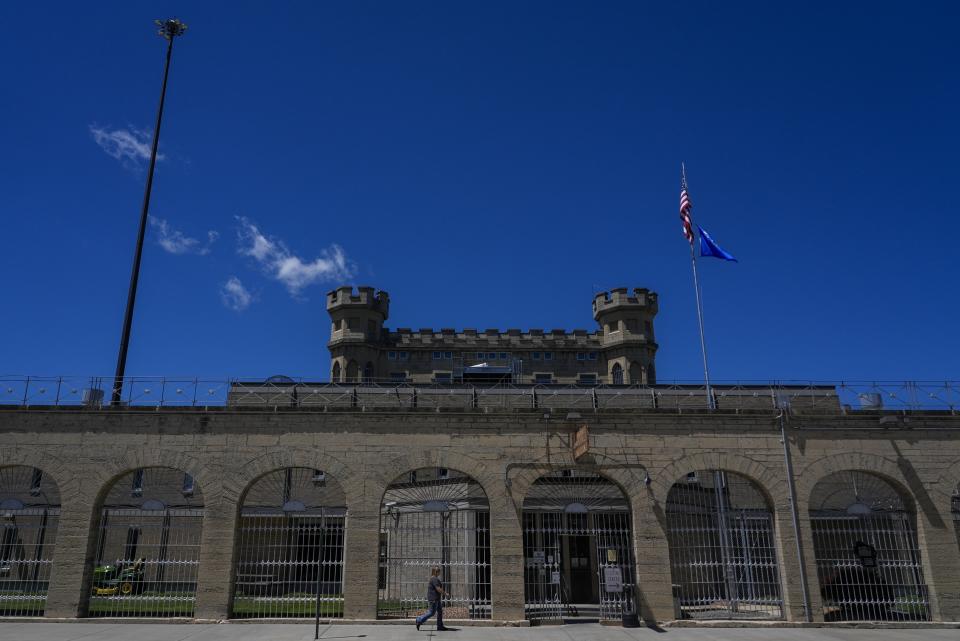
column 722, row 548
column 146, row 562
column 434, row 517
column 866, row 549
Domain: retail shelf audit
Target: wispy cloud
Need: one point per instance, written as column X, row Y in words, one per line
column 234, row 295
column 131, row 146
column 175, row 242
column 282, row 265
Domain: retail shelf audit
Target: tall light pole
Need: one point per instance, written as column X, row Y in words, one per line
column 169, row 29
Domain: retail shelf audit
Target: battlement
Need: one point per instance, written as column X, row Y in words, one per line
column 364, row 297
column 620, row 299
column 471, row 336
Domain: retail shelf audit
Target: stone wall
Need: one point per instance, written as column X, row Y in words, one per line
column 643, row 451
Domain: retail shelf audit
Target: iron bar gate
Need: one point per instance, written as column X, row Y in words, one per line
column 722, row 548
column 148, row 546
column 290, row 547
column 29, row 514
column 576, row 541
column 434, row 516
column 866, row 548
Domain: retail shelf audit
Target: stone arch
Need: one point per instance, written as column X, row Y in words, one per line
column 637, row 376
column 147, row 541
column 246, row 474
column 335, row 372
column 724, row 552
column 155, row 457
column 290, row 545
column 53, row 468
column 866, row 548
column 434, row 516
column 629, row 477
column 30, row 506
column 771, row 483
column 577, row 528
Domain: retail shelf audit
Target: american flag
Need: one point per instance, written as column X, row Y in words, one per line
column 685, row 208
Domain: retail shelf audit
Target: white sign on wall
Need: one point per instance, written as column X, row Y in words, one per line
column 555, row 578
column 612, row 579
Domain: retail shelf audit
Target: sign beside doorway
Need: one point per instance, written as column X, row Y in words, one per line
column 612, row 579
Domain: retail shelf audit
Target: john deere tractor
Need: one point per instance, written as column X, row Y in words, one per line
column 122, row 578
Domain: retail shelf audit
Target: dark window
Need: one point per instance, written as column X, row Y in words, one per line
column 188, row 486
column 35, row 480
column 442, row 377
column 137, row 489
column 436, row 356
column 581, row 356
column 617, row 374
column 548, row 356
column 130, row 547
column 543, row 379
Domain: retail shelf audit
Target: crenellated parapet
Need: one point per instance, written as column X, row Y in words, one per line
column 364, row 297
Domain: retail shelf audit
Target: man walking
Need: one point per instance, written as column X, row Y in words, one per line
column 435, row 593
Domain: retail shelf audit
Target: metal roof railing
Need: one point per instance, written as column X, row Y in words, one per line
column 284, row 392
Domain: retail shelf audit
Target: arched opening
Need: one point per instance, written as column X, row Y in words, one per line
column 578, row 557
column 29, row 514
column 148, row 546
column 290, row 546
column 616, row 374
column 368, row 373
column 352, row 372
column 722, row 548
column 865, row 543
column 636, row 374
column 335, row 374
column 434, row 516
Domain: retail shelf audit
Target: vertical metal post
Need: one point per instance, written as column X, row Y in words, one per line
column 696, row 286
column 795, row 516
column 169, row 30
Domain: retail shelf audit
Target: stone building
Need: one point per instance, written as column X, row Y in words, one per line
column 542, row 503
column 621, row 351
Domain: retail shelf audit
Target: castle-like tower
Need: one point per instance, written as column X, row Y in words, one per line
column 620, row 352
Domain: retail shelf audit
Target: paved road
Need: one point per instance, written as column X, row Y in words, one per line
column 36, row 631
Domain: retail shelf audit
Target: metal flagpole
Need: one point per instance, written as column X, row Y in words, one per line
column 696, row 286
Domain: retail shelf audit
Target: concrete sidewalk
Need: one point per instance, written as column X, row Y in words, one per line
column 39, row 631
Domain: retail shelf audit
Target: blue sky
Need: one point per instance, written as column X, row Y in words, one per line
column 490, row 165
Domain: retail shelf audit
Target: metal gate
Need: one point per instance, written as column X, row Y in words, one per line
column 434, row 516
column 868, row 557
column 578, row 558
column 290, row 547
column 29, row 513
column 722, row 548
column 148, row 546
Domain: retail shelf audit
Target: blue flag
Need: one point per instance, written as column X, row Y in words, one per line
column 708, row 247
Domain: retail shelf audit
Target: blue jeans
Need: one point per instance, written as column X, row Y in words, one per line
column 436, row 607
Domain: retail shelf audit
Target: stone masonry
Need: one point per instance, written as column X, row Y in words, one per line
column 83, row 450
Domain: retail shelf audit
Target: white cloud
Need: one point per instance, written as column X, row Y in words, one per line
column 175, row 242
column 130, row 146
column 282, row 265
column 234, row 295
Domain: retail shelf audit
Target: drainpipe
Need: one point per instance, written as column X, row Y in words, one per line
column 788, row 463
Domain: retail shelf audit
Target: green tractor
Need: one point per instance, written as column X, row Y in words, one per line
column 122, row 578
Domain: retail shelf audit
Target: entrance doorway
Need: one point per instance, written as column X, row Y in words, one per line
column 579, row 568
column 578, row 564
